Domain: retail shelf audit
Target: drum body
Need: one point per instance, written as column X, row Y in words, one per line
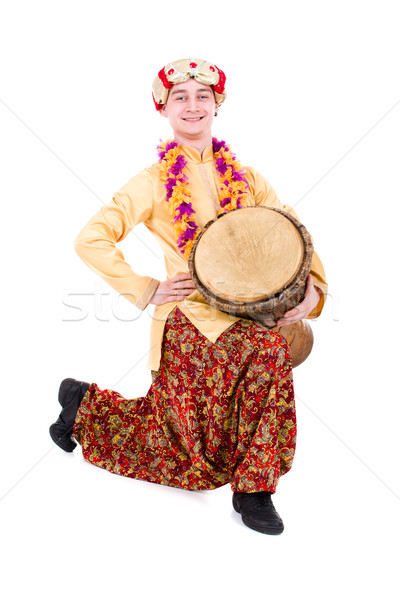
column 300, row 338
column 253, row 263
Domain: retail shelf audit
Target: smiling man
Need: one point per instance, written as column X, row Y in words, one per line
column 221, row 405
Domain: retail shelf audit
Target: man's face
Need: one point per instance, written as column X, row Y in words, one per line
column 190, row 109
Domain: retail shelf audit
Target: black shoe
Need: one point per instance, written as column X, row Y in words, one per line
column 70, row 396
column 258, row 512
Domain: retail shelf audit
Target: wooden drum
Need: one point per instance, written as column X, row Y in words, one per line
column 253, row 262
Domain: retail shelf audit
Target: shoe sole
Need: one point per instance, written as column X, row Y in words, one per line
column 268, row 530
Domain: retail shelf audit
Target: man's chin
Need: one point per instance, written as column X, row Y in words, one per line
column 193, row 133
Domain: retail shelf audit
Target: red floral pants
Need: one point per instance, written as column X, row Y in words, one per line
column 215, row 413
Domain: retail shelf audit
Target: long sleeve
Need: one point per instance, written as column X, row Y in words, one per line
column 96, row 243
column 265, row 195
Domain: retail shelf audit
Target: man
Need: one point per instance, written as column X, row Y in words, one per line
column 221, row 405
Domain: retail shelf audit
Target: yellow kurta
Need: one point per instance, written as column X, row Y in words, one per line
column 142, row 200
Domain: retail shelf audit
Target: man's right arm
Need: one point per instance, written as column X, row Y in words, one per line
column 96, row 243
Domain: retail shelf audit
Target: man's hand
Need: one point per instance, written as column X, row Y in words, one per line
column 303, row 309
column 173, row 290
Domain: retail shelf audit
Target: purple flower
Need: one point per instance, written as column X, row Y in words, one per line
column 221, row 166
column 169, row 186
column 161, row 154
column 179, row 165
column 239, row 176
column 218, row 144
column 168, row 147
column 183, row 209
column 187, row 235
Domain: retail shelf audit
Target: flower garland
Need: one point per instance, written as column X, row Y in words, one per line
column 232, row 188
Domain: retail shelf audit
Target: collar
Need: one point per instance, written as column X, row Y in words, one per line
column 193, row 156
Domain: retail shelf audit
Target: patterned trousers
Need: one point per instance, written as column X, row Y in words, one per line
column 215, row 413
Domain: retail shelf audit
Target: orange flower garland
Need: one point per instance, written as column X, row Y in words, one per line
column 232, row 188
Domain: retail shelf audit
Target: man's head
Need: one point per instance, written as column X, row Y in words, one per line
column 183, row 70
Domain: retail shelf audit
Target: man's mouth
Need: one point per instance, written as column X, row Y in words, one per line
column 192, row 118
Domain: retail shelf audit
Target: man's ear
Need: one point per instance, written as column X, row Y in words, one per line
column 164, row 111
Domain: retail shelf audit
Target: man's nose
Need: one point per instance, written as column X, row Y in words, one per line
column 192, row 105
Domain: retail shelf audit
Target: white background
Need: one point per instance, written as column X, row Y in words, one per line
column 314, row 104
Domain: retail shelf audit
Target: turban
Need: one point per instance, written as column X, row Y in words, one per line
column 182, row 70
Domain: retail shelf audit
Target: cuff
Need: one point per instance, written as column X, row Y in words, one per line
column 316, row 311
column 145, row 299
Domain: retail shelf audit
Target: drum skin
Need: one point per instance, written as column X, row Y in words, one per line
column 278, row 250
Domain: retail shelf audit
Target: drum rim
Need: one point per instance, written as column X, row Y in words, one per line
column 269, row 303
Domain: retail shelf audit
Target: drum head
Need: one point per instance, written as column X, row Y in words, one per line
column 249, row 254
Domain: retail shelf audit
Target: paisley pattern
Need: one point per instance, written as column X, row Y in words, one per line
column 214, row 414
